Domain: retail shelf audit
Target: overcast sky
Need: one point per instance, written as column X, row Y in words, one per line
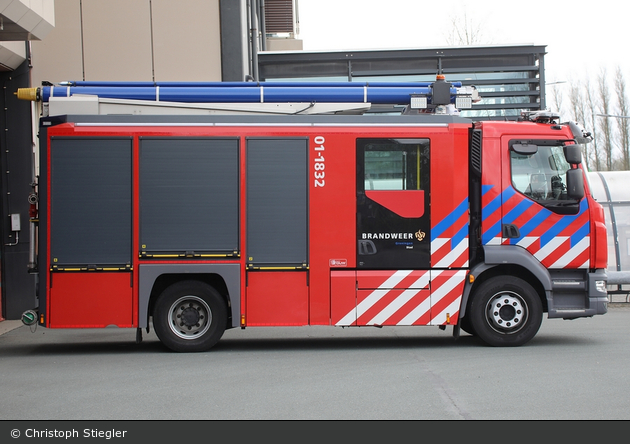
column 581, row 36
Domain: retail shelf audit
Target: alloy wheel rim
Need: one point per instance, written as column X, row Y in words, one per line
column 506, row 312
column 190, row 317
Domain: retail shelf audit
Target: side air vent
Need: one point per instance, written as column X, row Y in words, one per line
column 475, row 152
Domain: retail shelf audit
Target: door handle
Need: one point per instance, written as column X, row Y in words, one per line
column 510, row 231
column 366, row 247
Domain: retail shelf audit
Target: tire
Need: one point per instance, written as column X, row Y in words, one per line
column 190, row 316
column 505, row 312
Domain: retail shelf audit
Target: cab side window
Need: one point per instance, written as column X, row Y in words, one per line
column 541, row 176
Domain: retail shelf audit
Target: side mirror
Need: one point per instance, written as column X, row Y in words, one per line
column 575, row 184
column 573, row 154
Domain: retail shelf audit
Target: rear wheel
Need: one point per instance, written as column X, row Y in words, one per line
column 505, row 311
column 190, row 316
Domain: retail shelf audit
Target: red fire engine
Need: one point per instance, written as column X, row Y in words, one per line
column 197, row 218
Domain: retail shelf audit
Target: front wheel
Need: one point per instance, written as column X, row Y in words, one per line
column 505, row 311
column 190, row 316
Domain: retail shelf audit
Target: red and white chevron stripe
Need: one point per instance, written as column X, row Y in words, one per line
column 558, row 252
column 406, row 297
column 446, row 255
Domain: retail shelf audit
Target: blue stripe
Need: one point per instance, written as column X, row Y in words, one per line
column 449, row 220
column 535, row 221
column 488, row 235
column 561, row 225
column 489, row 209
column 508, row 193
column 496, row 202
column 517, row 211
column 580, row 234
column 492, row 206
column 461, row 234
column 514, row 214
column 485, row 189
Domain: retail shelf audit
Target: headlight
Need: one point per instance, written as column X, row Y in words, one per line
column 601, row 286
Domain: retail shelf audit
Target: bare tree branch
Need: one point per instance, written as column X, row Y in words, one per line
column 604, row 122
column 465, row 31
column 623, row 123
column 578, row 111
column 591, row 106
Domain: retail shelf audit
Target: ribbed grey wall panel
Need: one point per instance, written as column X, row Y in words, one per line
column 277, row 202
column 90, row 197
column 189, row 195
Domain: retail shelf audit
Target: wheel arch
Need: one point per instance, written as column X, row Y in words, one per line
column 165, row 280
column 509, row 260
column 154, row 278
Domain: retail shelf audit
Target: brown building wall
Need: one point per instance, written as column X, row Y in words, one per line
column 130, row 40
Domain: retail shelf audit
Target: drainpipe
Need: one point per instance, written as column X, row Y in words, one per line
column 254, row 37
column 263, row 28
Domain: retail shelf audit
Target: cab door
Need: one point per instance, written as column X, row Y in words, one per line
column 393, row 200
column 540, row 210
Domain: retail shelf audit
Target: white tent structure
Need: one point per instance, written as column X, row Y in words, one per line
column 612, row 190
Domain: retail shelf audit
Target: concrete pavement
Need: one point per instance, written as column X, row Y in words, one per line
column 6, row 326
